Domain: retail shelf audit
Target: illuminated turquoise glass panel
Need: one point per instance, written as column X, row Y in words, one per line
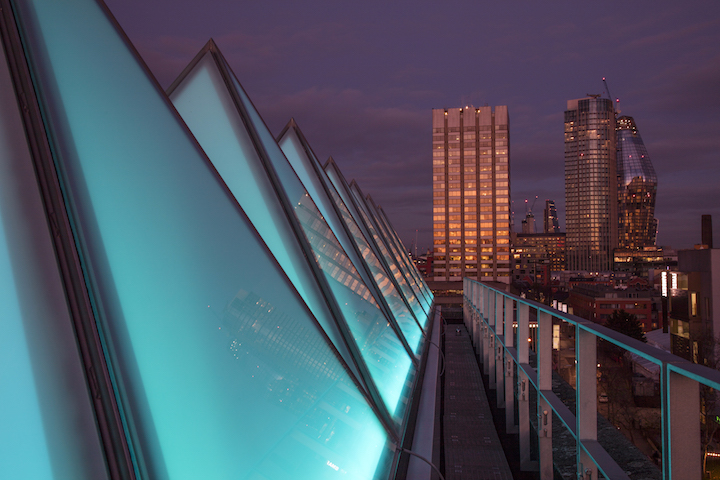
column 202, row 99
column 406, row 254
column 387, row 361
column 221, row 370
column 401, row 253
column 364, row 223
column 311, row 174
column 23, row 447
column 384, row 238
column 47, row 426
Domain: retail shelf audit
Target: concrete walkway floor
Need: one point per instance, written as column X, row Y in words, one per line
column 472, row 447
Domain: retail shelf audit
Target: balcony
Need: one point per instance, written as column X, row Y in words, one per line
column 525, row 347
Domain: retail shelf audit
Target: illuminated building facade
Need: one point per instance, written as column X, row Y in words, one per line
column 598, row 302
column 471, row 194
column 184, row 296
column 538, row 251
column 693, row 292
column 590, row 184
column 550, row 217
column 637, row 188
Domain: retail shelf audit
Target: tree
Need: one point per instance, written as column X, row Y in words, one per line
column 617, row 375
column 627, row 324
column 709, row 400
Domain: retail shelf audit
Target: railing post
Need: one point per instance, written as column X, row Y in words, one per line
column 467, row 299
column 510, row 426
column 586, row 398
column 684, row 432
column 523, row 386
column 492, row 321
column 478, row 339
column 523, row 333
column 544, row 370
column 486, row 334
column 477, row 334
column 499, row 353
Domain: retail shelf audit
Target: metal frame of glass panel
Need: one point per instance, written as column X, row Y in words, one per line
column 370, row 217
column 382, row 219
column 145, row 232
column 378, row 244
column 98, row 380
column 271, row 162
column 250, row 182
column 394, row 234
column 45, row 134
column 309, row 168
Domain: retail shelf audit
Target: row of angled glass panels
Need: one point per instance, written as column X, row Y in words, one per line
column 223, row 363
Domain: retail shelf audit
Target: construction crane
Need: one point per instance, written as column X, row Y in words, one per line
column 616, row 111
column 531, row 207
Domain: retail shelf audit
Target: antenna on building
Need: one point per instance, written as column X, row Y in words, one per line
column 416, row 243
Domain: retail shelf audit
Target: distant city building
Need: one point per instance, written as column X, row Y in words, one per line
column 528, row 223
column 637, row 188
column 550, row 217
column 640, row 261
column 471, row 194
column 693, row 293
column 535, row 255
column 597, row 302
column 590, row 184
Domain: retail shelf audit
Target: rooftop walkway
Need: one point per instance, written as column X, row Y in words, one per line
column 472, row 448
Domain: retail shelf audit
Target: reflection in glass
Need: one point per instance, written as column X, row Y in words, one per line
column 369, row 231
column 373, row 224
column 637, row 188
column 311, row 173
column 200, row 94
column 383, row 353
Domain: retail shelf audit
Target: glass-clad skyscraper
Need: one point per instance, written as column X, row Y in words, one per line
column 550, row 217
column 590, row 184
column 637, row 188
column 175, row 305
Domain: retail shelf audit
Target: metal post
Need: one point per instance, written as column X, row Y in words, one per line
column 510, row 426
column 544, row 370
column 684, row 434
column 486, row 334
column 586, row 397
column 524, row 420
column 523, row 333
column 500, row 353
column 523, row 386
column 492, row 321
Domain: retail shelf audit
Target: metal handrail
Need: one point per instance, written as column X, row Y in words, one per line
column 676, row 392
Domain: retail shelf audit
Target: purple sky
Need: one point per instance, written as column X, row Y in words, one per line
column 361, row 78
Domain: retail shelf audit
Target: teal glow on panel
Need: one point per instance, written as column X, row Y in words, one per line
column 399, row 251
column 388, row 361
column 383, row 238
column 381, row 251
column 220, row 368
column 23, row 448
column 311, row 173
column 203, row 100
column 47, row 426
column 384, row 355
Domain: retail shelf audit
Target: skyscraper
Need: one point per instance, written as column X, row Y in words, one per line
column 590, row 184
column 637, row 188
column 552, row 225
column 471, row 194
